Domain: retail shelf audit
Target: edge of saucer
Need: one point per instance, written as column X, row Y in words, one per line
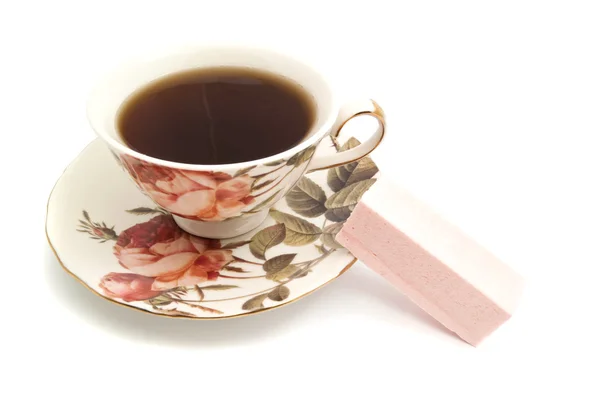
column 70, row 273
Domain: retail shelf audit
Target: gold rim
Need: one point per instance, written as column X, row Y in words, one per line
column 139, row 309
column 378, row 114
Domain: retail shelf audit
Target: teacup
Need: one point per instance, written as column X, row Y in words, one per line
column 226, row 200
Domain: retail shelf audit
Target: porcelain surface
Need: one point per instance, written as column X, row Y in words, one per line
column 123, row 247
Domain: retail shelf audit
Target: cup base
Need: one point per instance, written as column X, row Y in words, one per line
column 222, row 229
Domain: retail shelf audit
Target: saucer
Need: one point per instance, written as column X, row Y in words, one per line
column 120, row 245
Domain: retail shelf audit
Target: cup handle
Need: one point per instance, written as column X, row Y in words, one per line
column 347, row 112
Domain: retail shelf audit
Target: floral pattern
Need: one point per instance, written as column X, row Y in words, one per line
column 129, row 287
column 160, row 250
column 212, row 195
column 203, row 195
column 171, row 271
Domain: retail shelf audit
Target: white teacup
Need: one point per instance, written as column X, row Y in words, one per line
column 226, row 200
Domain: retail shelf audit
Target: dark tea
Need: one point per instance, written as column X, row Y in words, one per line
column 216, row 116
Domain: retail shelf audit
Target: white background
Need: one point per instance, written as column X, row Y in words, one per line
column 493, row 119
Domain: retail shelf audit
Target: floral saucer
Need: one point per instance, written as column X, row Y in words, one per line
column 116, row 242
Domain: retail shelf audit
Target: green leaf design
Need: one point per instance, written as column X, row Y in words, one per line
column 303, row 274
column 178, row 290
column 205, row 309
column 86, row 216
column 160, row 300
column 340, row 214
column 255, row 302
column 265, row 239
column 234, row 269
column 283, row 274
column 200, row 292
column 279, row 293
column 218, row 287
column 329, row 234
column 278, row 262
column 341, row 176
column 233, row 245
column 141, row 211
column 307, row 198
column 279, row 267
column 341, row 204
column 275, row 163
column 350, row 195
column 305, row 155
column 243, row 171
column 264, row 203
column 301, row 157
column 256, row 187
column 298, row 231
column 292, row 160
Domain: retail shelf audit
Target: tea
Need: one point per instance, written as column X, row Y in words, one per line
column 216, row 115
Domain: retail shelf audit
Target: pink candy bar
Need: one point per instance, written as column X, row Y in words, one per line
column 446, row 273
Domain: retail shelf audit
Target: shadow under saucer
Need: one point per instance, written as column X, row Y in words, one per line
column 359, row 292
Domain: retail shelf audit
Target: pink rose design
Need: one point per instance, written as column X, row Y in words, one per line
column 159, row 249
column 202, row 195
column 127, row 286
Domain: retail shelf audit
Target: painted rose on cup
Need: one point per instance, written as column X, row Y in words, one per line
column 198, row 195
column 160, row 256
column 164, row 270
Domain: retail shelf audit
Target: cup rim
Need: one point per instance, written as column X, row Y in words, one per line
column 317, row 134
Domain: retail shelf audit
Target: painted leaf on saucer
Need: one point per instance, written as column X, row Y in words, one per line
column 161, row 268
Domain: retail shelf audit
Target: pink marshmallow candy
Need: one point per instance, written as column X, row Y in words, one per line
column 446, row 273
